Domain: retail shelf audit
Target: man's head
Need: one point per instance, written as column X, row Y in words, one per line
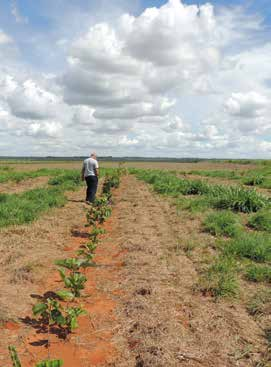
column 93, row 155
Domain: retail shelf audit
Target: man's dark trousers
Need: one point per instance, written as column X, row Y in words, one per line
column 92, row 184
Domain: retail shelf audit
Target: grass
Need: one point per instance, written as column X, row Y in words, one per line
column 9, row 175
column 260, row 303
column 257, row 273
column 217, row 196
column 219, row 280
column 261, row 221
column 237, row 199
column 223, row 223
column 254, row 246
column 26, row 207
column 233, row 175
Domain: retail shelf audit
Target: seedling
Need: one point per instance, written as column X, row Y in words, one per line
column 73, row 264
column 95, row 233
column 87, row 250
column 75, row 282
column 52, row 313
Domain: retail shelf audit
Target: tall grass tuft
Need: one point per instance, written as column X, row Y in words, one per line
column 261, row 221
column 254, row 246
column 219, row 280
column 237, row 199
column 223, row 223
column 257, row 273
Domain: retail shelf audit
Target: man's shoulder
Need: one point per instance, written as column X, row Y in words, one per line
column 92, row 160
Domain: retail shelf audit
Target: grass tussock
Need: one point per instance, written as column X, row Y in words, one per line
column 257, row 273
column 261, row 221
column 223, row 223
column 260, row 303
column 219, row 280
column 254, row 246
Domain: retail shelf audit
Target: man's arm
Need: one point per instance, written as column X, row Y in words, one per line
column 83, row 173
column 96, row 170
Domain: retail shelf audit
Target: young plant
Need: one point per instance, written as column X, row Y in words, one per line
column 87, row 250
column 75, row 281
column 52, row 313
column 93, row 236
column 73, row 264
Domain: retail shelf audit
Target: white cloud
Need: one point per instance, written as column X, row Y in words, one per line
column 44, row 129
column 247, row 105
column 4, row 38
column 181, row 80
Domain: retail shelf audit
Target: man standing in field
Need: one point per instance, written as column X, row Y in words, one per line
column 90, row 172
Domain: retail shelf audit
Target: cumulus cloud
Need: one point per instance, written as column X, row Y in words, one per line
column 247, row 105
column 30, row 101
column 175, row 80
column 44, row 129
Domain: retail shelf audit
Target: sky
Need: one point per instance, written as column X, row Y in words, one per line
column 147, row 78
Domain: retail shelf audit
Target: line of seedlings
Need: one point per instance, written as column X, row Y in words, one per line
column 61, row 310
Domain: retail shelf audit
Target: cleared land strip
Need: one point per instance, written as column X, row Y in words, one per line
column 164, row 320
column 29, row 184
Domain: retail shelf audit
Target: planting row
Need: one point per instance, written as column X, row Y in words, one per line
column 29, row 205
column 61, row 310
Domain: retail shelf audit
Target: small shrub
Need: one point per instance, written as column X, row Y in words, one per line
column 219, row 279
column 261, row 221
column 255, row 246
column 223, row 223
column 256, row 273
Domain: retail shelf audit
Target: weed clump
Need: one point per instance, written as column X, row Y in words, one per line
column 261, row 221
column 254, row 246
column 219, row 280
column 224, row 223
column 256, row 273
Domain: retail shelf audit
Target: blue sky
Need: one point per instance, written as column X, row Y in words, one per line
column 173, row 83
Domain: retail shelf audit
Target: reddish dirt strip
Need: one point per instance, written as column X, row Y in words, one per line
column 91, row 344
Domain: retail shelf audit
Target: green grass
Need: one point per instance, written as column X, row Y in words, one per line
column 9, row 175
column 219, row 280
column 257, row 273
column 68, row 180
column 237, row 199
column 261, row 221
column 254, row 246
column 233, row 175
column 217, row 196
column 26, row 207
column 223, row 223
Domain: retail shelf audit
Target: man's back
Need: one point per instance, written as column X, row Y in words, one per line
column 90, row 166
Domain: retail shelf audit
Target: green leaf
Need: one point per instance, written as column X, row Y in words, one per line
column 74, row 323
column 14, row 356
column 39, row 308
column 53, row 363
column 65, row 295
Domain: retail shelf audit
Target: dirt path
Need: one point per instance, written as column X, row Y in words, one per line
column 16, row 188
